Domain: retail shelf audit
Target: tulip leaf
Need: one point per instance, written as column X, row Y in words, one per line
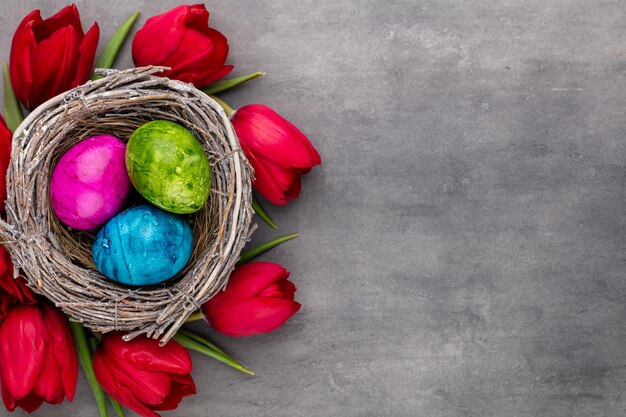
column 86, row 363
column 204, row 348
column 258, row 209
column 108, row 55
column 247, row 256
column 204, row 341
column 224, row 85
column 12, row 110
column 195, row 317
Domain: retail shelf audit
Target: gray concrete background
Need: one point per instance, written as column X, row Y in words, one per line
column 463, row 245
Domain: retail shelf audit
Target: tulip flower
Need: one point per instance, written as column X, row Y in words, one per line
column 50, row 56
column 142, row 375
column 276, row 149
column 5, row 156
column 182, row 40
column 12, row 290
column 37, row 357
column 257, row 299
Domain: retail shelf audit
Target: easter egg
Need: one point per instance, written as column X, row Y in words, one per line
column 89, row 184
column 168, row 166
column 143, row 245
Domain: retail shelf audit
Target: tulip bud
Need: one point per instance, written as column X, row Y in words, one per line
column 12, row 290
column 182, row 40
column 276, row 149
column 257, row 299
column 142, row 375
column 50, row 56
column 5, row 156
column 37, row 357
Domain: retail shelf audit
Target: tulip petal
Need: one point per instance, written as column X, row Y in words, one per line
column 22, row 55
column 198, row 19
column 260, row 315
column 145, row 353
column 275, row 138
column 149, row 388
column 264, row 182
column 86, row 56
column 182, row 386
column 64, row 351
column 23, row 337
column 168, row 28
column 56, row 59
column 68, row 16
column 30, row 403
column 245, row 283
column 199, row 58
column 7, row 398
column 49, row 386
column 111, row 384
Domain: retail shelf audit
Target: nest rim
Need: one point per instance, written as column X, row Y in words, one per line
column 42, row 247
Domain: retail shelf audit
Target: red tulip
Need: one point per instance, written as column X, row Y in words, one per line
column 5, row 156
column 12, row 290
column 276, row 149
column 257, row 299
column 141, row 375
column 37, row 357
column 50, row 56
column 182, row 40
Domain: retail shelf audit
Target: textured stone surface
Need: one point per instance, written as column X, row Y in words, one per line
column 463, row 249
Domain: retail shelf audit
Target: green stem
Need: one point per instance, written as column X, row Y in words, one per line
column 86, row 363
column 12, row 109
column 224, row 85
column 229, row 110
column 247, row 256
column 108, row 55
column 258, row 209
column 193, row 344
column 202, row 340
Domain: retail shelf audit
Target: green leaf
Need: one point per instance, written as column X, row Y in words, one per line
column 205, row 349
column 224, row 85
column 108, row 55
column 12, row 110
column 247, row 256
column 86, row 363
column 258, row 209
column 204, row 341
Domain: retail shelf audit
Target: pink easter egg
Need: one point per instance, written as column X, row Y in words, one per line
column 90, row 184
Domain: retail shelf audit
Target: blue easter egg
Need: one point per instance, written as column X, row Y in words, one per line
column 143, row 245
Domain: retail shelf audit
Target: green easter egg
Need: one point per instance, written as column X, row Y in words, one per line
column 168, row 166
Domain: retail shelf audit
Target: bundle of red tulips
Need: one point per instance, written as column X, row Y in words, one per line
column 41, row 348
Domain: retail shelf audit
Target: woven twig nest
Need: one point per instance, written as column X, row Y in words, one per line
column 57, row 260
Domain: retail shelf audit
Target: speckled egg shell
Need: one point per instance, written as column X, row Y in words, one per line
column 143, row 246
column 89, row 184
column 168, row 166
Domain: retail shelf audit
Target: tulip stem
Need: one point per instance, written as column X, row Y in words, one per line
column 229, row 110
column 205, row 347
column 195, row 317
column 86, row 363
column 247, row 256
column 12, row 109
column 108, row 55
column 258, row 209
column 224, row 85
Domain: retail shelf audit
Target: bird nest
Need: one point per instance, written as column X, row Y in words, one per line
column 56, row 260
